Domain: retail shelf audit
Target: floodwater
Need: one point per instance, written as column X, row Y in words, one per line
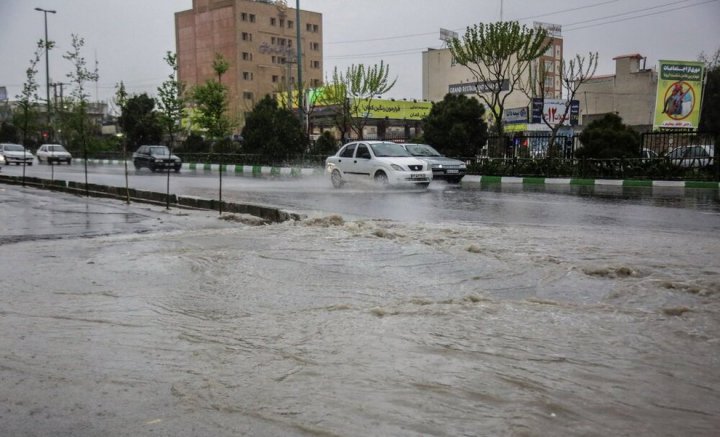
column 329, row 326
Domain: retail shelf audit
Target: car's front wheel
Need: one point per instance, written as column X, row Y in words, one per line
column 137, row 165
column 381, row 178
column 336, row 179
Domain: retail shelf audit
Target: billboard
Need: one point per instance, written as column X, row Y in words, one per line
column 679, row 90
column 554, row 110
column 515, row 115
column 394, row 109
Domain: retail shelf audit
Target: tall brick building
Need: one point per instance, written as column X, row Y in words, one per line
column 258, row 39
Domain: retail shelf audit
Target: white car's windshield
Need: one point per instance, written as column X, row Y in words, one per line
column 56, row 149
column 389, row 150
column 421, row 150
column 14, row 148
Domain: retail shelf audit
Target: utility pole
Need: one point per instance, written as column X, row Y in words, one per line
column 47, row 61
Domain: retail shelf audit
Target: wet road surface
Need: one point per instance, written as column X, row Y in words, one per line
column 140, row 321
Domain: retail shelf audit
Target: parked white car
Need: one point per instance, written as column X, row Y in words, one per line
column 16, row 154
column 692, row 156
column 49, row 153
column 382, row 162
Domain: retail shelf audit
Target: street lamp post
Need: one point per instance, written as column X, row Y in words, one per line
column 47, row 61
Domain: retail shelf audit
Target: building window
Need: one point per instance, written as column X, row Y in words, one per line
column 246, row 56
column 316, row 82
column 549, row 67
column 252, row 18
column 549, row 82
column 247, row 36
column 273, row 21
column 244, row 16
column 247, row 95
column 290, row 24
column 315, row 46
column 282, row 22
column 275, row 78
column 308, row 27
column 272, row 40
column 316, row 28
column 247, row 75
column 315, row 64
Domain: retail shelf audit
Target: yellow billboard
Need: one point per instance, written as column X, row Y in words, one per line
column 393, row 109
column 679, row 90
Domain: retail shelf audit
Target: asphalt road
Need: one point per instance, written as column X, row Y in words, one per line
column 674, row 209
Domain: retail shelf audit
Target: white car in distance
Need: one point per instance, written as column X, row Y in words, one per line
column 50, row 153
column 382, row 162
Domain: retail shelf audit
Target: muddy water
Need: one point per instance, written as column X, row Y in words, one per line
column 360, row 327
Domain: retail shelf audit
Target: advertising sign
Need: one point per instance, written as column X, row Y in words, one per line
column 475, row 87
column 554, row 110
column 394, row 109
column 515, row 115
column 677, row 104
column 3, row 93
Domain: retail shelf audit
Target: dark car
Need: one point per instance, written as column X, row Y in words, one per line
column 156, row 158
column 443, row 168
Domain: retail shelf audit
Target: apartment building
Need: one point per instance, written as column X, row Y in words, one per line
column 258, row 39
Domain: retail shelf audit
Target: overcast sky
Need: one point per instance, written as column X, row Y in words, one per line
column 129, row 38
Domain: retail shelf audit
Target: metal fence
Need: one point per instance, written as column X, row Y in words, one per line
column 662, row 155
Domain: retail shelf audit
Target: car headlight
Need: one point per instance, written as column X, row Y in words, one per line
column 397, row 167
column 463, row 166
column 158, row 160
column 437, row 166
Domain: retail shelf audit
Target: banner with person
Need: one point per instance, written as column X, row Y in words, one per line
column 679, row 91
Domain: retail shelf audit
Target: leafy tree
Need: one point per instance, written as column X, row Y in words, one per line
column 325, row 145
column 710, row 116
column 78, row 77
column 273, row 132
column 575, row 72
column 211, row 103
column 498, row 55
column 8, row 133
column 351, row 94
column 608, row 138
column 171, row 100
column 26, row 114
column 456, row 126
column 140, row 121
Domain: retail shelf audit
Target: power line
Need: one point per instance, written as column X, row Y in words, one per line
column 640, row 16
column 409, row 51
column 413, row 35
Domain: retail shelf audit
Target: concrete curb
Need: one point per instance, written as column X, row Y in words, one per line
column 229, row 169
column 265, row 212
column 474, row 179
column 293, row 172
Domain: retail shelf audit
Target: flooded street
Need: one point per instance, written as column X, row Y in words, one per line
column 137, row 321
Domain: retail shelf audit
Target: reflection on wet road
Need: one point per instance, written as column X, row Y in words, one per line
column 531, row 325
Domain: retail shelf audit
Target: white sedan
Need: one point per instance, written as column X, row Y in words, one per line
column 49, row 153
column 383, row 162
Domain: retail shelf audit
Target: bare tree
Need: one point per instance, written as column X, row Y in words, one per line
column 575, row 72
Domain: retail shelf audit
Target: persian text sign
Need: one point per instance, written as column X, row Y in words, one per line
column 393, row 109
column 677, row 103
column 553, row 110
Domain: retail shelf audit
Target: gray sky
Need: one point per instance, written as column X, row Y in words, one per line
column 129, row 38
